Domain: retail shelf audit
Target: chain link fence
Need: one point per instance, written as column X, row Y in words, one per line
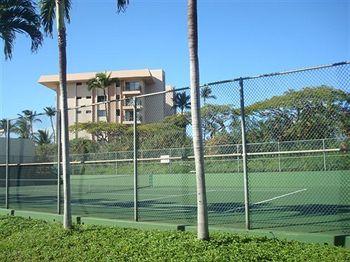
column 299, row 168
column 286, row 166
column 29, row 171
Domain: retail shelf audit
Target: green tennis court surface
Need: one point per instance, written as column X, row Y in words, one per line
column 315, row 201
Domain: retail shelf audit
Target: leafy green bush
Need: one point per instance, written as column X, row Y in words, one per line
column 82, row 146
column 45, row 152
column 33, row 240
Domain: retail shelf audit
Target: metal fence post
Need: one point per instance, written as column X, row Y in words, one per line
column 237, row 146
column 58, row 142
column 7, row 184
column 116, row 164
column 136, row 217
column 324, row 155
column 244, row 158
column 279, row 156
column 170, row 161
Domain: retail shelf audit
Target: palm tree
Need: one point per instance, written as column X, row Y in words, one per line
column 31, row 117
column 59, row 9
column 19, row 16
column 202, row 212
column 51, row 112
column 206, row 93
column 121, row 5
column 22, row 128
column 182, row 101
column 3, row 126
column 43, row 137
column 102, row 81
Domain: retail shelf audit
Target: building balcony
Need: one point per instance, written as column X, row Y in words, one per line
column 132, row 88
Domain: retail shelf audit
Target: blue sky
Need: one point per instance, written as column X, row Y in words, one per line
column 237, row 38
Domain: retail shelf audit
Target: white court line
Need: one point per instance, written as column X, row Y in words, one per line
column 183, row 205
column 269, row 200
column 165, row 209
column 277, row 197
column 252, row 190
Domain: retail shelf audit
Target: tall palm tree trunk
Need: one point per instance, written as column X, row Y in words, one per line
column 67, row 216
column 202, row 213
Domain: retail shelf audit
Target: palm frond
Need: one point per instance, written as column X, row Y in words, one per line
column 122, row 5
column 43, row 137
column 182, row 101
column 22, row 128
column 206, row 92
column 101, row 81
column 67, row 8
column 50, row 111
column 19, row 16
column 48, row 14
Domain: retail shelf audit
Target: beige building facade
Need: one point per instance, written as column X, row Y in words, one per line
column 128, row 83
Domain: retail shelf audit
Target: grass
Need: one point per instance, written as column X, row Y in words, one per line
column 33, row 240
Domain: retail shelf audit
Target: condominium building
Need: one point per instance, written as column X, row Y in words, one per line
column 127, row 84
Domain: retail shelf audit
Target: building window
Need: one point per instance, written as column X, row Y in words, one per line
column 88, row 111
column 117, row 112
column 79, row 84
column 132, row 86
column 101, row 99
column 88, row 97
column 79, row 97
column 117, row 83
column 79, row 112
column 101, row 113
column 117, row 97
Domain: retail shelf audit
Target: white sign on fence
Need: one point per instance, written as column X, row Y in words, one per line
column 165, row 159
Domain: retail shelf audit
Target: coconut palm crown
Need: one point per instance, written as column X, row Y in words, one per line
column 102, row 81
column 51, row 112
column 182, row 101
column 31, row 117
column 19, row 17
column 206, row 93
column 42, row 137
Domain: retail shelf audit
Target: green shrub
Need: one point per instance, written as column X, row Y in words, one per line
column 32, row 240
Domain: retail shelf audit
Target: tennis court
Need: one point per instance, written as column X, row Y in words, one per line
column 310, row 201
